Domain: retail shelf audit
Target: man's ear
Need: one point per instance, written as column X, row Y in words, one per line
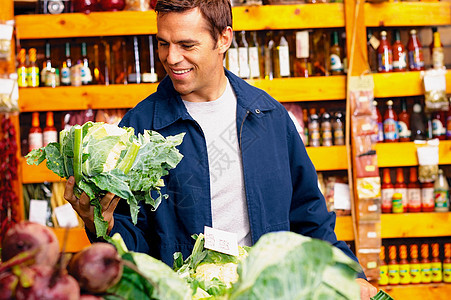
column 225, row 40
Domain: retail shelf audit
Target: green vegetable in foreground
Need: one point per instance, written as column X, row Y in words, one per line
column 107, row 158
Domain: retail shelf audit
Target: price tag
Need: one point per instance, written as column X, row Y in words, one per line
column 66, row 216
column 221, row 241
column 38, row 211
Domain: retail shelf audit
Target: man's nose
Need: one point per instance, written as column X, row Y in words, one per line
column 174, row 55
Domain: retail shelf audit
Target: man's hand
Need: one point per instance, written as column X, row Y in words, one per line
column 367, row 290
column 86, row 211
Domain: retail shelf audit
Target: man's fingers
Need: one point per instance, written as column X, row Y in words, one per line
column 113, row 205
column 69, row 191
column 106, row 200
column 84, row 202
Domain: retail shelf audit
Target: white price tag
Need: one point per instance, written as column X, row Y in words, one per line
column 221, row 241
column 66, row 216
column 342, row 199
column 38, row 211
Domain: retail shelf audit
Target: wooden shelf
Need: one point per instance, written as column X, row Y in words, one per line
column 328, row 158
column 402, row 84
column 119, row 96
column 37, row 174
column 136, row 22
column 76, row 240
column 409, row 225
column 344, row 229
column 404, row 154
column 436, row 291
column 407, row 14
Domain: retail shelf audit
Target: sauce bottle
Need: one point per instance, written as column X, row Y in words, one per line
column 438, row 125
column 427, row 197
column 425, row 264
column 282, row 57
column 326, row 128
column 243, row 55
column 35, row 133
column 404, row 266
column 441, row 196
column 384, row 55
column 380, row 124
column 447, row 264
column 22, row 69
column 66, row 68
column 415, row 52
column 86, row 76
column 33, row 69
column 47, row 66
column 313, row 129
column 399, row 54
column 397, row 206
column 417, row 124
column 387, row 191
column 301, row 61
column 438, row 57
column 338, row 127
column 404, row 123
column 336, row 56
column 413, row 192
column 415, row 266
column 401, row 187
column 50, row 134
column 390, row 124
column 269, row 50
column 393, row 267
column 383, row 268
column 436, row 264
column 372, row 45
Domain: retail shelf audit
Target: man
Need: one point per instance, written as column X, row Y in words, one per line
column 244, row 170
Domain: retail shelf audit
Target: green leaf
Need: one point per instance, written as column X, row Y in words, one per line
column 35, row 156
column 55, row 160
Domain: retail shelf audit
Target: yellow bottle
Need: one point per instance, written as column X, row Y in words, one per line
column 415, row 266
column 33, row 69
column 383, row 268
column 447, row 264
column 426, row 272
column 22, row 69
column 404, row 266
column 393, row 267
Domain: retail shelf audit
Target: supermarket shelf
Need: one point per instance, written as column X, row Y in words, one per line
column 436, row 291
column 344, row 229
column 404, row 154
column 136, row 22
column 76, row 239
column 407, row 14
column 37, row 174
column 402, row 84
column 328, row 158
column 409, row 225
column 119, row 96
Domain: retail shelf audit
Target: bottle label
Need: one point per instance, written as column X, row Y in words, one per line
column 390, row 129
column 437, row 128
column 415, row 273
column 243, row 61
column 50, row 137
column 86, row 76
column 414, row 198
column 401, row 62
column 33, row 76
column 427, row 197
column 327, row 137
column 65, row 76
column 254, row 62
column 22, row 77
column 403, row 192
column 339, row 138
column 34, row 141
column 393, row 274
column 383, row 275
column 335, row 63
column 404, row 274
column 397, row 206
column 426, row 272
column 75, row 75
column 232, row 61
column 284, row 61
column 380, row 132
column 387, row 195
column 438, row 58
column 404, row 131
column 385, row 61
column 446, row 272
column 416, row 59
column 436, row 268
column 441, row 198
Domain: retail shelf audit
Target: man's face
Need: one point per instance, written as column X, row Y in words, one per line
column 189, row 54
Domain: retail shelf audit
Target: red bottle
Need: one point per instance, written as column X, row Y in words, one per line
column 391, row 133
column 35, row 133
column 399, row 54
column 427, row 197
column 401, row 187
column 387, row 191
column 404, row 123
column 415, row 52
column 384, row 55
column 438, row 125
column 380, row 124
column 50, row 133
column 413, row 192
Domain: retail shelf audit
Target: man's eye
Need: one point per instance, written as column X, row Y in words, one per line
column 162, row 44
column 187, row 46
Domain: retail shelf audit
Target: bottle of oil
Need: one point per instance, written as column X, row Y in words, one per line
column 282, row 57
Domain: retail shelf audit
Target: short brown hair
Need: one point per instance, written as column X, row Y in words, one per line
column 218, row 13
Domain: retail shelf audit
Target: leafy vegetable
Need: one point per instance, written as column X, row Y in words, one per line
column 107, row 158
column 286, row 265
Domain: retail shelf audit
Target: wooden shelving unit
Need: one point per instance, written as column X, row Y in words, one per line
column 420, row 291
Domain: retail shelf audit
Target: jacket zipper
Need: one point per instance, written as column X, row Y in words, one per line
column 242, row 125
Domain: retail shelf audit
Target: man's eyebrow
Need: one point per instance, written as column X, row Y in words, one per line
column 187, row 41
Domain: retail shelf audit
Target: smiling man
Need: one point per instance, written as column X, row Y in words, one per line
column 245, row 169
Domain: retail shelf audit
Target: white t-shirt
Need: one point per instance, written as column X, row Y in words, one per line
column 228, row 199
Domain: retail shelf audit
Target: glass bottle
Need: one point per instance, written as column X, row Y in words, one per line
column 425, row 264
column 269, row 53
column 384, row 55
column 243, row 55
column 438, row 125
column 415, row 52
column 404, row 123
column 66, row 68
column 447, row 263
column 372, row 45
column 302, row 61
column 427, row 197
column 326, row 128
column 135, row 76
column 383, row 268
column 401, row 187
column 393, row 266
column 399, row 54
column 387, row 191
column 417, row 124
column 415, row 266
column 306, row 122
column 404, row 266
column 22, row 69
column 339, row 128
column 254, row 56
column 47, row 66
column 33, row 69
column 86, row 76
column 437, row 52
column 397, row 206
column 50, row 134
column 335, row 56
column 441, row 193
column 35, row 140
column 233, row 64
column 282, row 57
column 390, row 124
column 380, row 125
column 314, row 129
column 413, row 192
column 436, row 264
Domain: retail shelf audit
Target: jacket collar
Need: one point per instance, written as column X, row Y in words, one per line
column 169, row 106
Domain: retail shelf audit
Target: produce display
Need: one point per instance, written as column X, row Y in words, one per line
column 107, row 158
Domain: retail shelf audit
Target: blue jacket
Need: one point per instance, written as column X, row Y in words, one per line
column 280, row 180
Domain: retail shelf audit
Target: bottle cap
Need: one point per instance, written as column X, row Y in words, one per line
column 383, row 33
column 413, row 31
column 390, row 102
column 417, row 107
